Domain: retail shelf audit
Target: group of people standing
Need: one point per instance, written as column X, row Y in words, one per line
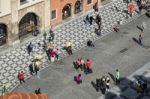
column 81, row 65
column 98, row 21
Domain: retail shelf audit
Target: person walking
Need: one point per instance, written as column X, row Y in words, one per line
column 21, row 77
column 103, row 85
column 30, row 48
column 141, row 39
column 143, row 26
column 107, row 82
column 31, row 69
column 117, row 76
column 36, row 69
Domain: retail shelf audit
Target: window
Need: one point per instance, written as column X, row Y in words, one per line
column 89, row 1
column 23, row 1
column 53, row 14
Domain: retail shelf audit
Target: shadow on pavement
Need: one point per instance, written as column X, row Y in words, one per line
column 137, row 88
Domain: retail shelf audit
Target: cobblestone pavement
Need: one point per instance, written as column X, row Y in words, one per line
column 127, row 88
column 17, row 59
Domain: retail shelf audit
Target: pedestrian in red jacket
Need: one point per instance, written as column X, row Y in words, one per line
column 52, row 55
column 21, row 77
column 88, row 66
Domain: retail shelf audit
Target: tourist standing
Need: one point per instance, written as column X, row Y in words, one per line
column 117, row 76
column 21, row 77
column 88, row 66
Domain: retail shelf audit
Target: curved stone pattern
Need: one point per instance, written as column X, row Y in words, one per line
column 76, row 30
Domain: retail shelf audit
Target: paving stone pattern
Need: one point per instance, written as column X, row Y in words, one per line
column 127, row 88
column 17, row 59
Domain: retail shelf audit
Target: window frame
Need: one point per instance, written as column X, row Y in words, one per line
column 55, row 14
column 23, row 2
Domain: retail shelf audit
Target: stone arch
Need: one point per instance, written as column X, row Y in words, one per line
column 3, row 33
column 66, row 11
column 78, row 6
column 29, row 23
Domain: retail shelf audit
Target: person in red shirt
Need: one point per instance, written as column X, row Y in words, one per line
column 21, row 77
column 88, row 66
column 52, row 55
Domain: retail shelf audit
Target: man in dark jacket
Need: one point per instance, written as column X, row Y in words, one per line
column 31, row 69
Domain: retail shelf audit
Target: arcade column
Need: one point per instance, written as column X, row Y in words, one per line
column 13, row 37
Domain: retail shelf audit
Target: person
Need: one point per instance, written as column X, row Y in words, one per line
column 79, row 64
column 38, row 91
column 36, row 68
column 95, row 7
column 143, row 26
column 116, row 28
column 140, row 8
column 145, row 87
column 90, row 43
column 78, row 79
column 107, row 82
column 140, row 39
column 57, row 53
column 30, row 48
column 31, row 69
column 51, row 35
column 117, row 77
column 87, row 18
column 21, row 77
column 45, row 35
column 69, row 47
column 88, row 66
column 98, row 84
column 103, row 85
column 98, row 31
column 91, row 20
column 82, row 64
column 52, row 55
column 48, row 54
column 98, row 19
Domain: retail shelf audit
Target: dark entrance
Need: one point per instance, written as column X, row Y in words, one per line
column 66, row 11
column 3, row 34
column 28, row 24
column 78, row 6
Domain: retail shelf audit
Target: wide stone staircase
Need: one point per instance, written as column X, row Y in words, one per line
column 19, row 95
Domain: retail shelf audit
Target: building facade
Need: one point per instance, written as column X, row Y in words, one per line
column 63, row 9
column 21, row 17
